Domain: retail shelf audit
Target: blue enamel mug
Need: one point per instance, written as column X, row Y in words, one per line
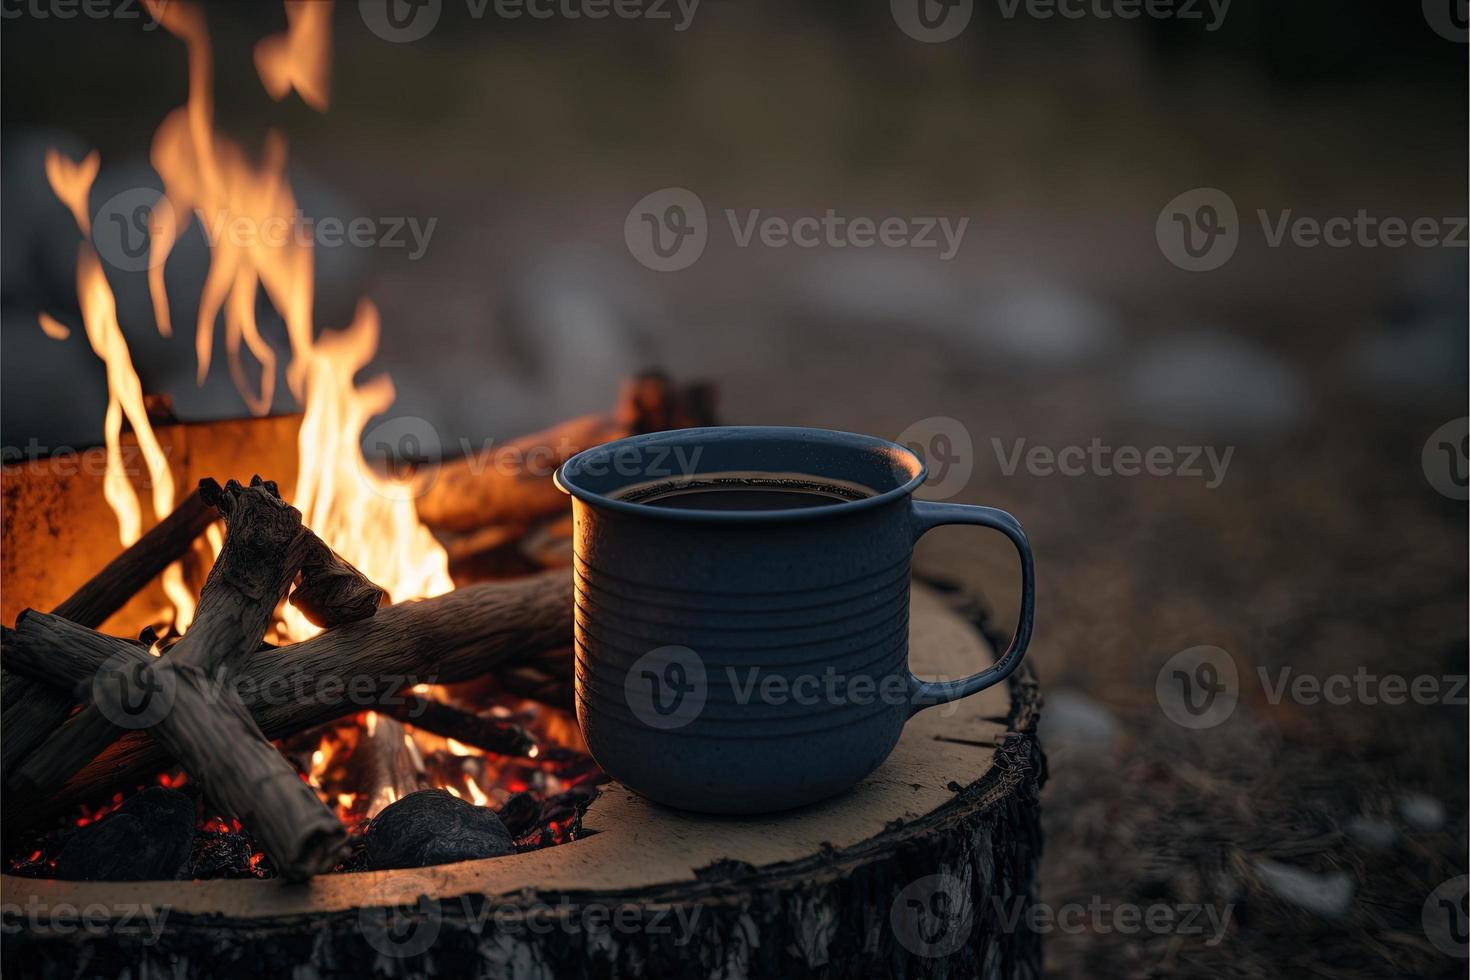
column 746, row 658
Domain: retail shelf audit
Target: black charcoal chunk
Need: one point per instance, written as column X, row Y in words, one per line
column 433, row 827
column 222, row 854
column 148, row 838
column 520, row 814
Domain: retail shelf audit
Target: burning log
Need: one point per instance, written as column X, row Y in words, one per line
column 386, row 760
column 546, row 677
column 491, row 734
column 332, row 592
column 32, row 711
column 454, row 637
column 203, row 724
column 511, row 484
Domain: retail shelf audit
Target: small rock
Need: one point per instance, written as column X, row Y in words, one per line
column 1327, row 895
column 1421, row 812
column 1215, row 383
column 1073, row 720
column 432, row 827
column 148, row 838
column 1045, row 327
column 1372, row 832
column 1415, row 353
column 876, row 288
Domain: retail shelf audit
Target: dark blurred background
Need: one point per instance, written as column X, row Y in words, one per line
column 1330, row 544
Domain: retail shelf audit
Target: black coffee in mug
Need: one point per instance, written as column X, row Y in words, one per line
column 746, row 491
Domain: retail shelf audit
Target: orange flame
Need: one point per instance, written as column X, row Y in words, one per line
column 54, row 328
column 302, row 57
column 252, row 222
column 72, row 183
column 253, row 227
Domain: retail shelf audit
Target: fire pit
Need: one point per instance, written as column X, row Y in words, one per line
column 948, row 827
column 424, row 713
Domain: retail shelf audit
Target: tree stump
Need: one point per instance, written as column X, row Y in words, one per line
column 926, row 869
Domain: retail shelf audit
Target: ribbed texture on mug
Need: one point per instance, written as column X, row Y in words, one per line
column 815, row 641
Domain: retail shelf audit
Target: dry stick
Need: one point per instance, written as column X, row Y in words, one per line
column 491, row 734
column 511, row 484
column 264, row 545
column 31, row 712
column 332, row 592
column 454, row 637
column 203, row 723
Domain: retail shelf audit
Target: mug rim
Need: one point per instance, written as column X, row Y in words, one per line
column 566, row 474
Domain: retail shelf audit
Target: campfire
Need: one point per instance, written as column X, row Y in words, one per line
column 374, row 680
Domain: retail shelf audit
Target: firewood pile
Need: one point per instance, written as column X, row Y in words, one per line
column 88, row 716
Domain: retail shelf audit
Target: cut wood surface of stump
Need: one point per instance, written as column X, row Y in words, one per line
column 926, row 869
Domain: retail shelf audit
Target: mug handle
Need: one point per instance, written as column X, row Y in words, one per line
column 927, row 516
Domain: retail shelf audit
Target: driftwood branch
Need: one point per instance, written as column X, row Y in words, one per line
column 511, row 484
column 200, row 721
column 30, row 711
column 450, row 638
